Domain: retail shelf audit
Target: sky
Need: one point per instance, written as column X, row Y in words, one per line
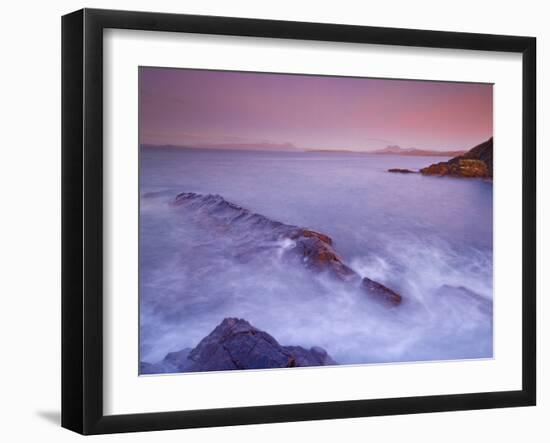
column 200, row 108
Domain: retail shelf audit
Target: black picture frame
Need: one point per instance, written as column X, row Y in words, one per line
column 82, row 220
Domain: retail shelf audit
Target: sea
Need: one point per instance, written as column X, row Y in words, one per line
column 428, row 238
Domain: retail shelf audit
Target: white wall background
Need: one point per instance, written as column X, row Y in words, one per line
column 30, row 219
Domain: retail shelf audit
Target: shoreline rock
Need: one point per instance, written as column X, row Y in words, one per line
column 476, row 163
column 313, row 249
column 236, row 345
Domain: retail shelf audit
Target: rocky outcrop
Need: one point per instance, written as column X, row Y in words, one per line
column 235, row 345
column 316, row 253
column 314, row 250
column 460, row 168
column 477, row 162
column 402, row 171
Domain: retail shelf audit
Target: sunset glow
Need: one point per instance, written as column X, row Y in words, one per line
column 199, row 108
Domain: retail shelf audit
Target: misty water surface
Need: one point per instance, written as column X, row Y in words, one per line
column 428, row 238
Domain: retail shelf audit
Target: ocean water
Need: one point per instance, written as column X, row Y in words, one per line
column 428, row 238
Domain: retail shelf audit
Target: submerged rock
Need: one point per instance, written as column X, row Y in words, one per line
column 172, row 362
column 477, row 162
column 235, row 344
column 379, row 290
column 402, row 171
column 470, row 297
column 149, row 368
column 314, row 250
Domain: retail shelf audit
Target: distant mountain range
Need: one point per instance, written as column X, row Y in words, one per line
column 289, row 147
column 261, row 146
column 396, row 150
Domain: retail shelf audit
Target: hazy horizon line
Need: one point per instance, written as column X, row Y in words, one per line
column 297, row 149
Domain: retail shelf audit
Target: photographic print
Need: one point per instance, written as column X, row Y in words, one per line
column 291, row 220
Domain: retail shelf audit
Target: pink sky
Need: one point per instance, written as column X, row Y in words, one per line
column 199, row 108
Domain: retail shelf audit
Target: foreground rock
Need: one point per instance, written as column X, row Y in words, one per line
column 312, row 249
column 235, row 345
column 477, row 162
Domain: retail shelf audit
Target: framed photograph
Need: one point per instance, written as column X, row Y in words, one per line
column 269, row 221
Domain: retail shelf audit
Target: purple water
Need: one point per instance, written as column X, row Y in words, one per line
column 429, row 238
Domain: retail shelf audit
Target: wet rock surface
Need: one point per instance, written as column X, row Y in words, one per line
column 314, row 250
column 236, row 345
column 380, row 291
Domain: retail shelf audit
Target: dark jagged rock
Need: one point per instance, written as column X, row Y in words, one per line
column 236, row 344
column 315, row 356
column 402, row 171
column 477, row 162
column 313, row 249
